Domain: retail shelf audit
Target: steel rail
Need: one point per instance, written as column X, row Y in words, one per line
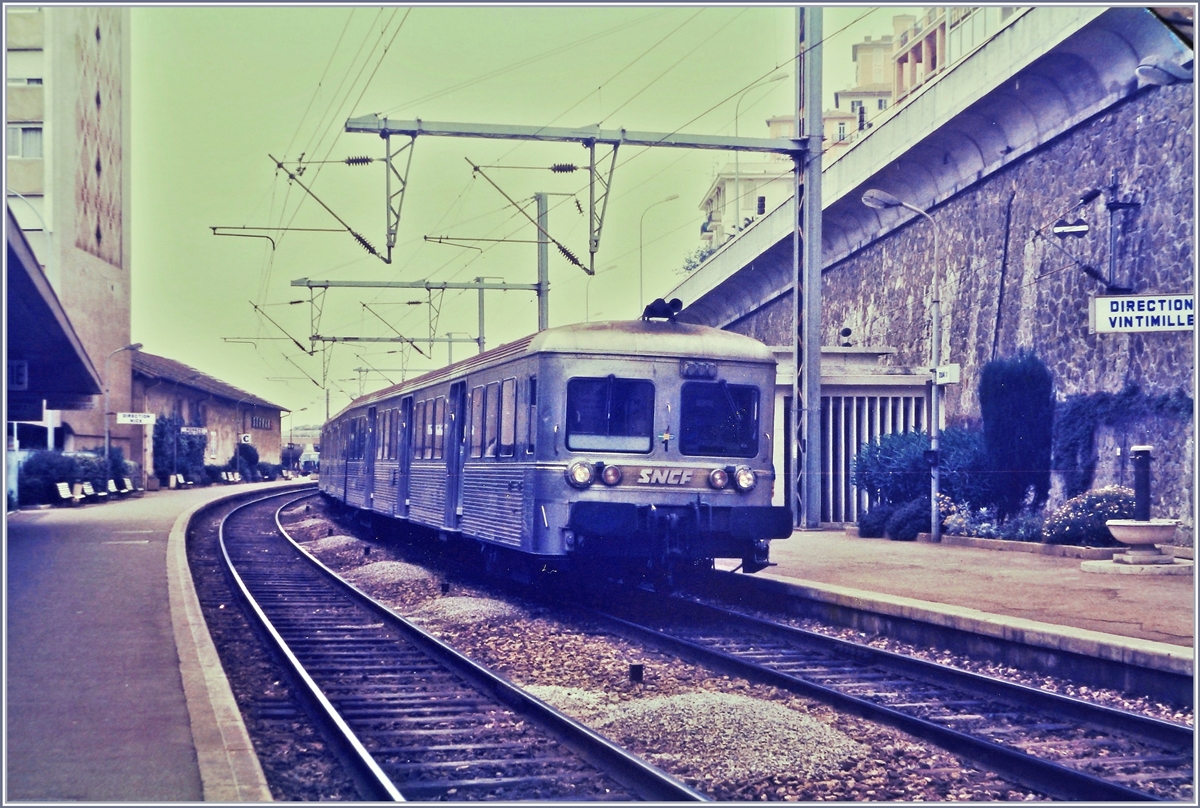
column 1049, row 777
column 367, row 771
column 623, row 767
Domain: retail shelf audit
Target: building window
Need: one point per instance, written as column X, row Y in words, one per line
column 259, row 422
column 841, row 131
column 883, row 103
column 855, row 106
column 25, row 142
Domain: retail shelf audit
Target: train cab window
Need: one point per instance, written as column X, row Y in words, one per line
column 611, row 414
column 491, row 409
column 718, row 419
column 508, row 417
column 419, row 430
column 477, row 422
column 439, row 426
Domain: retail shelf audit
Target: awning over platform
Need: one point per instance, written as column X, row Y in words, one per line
column 46, row 359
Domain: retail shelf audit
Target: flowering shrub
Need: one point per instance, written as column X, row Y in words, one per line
column 983, row 523
column 1080, row 520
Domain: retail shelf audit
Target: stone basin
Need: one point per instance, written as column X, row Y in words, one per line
column 1142, row 533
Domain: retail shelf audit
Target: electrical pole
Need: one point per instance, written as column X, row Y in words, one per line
column 807, row 310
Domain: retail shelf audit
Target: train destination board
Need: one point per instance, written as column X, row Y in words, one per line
column 1135, row 313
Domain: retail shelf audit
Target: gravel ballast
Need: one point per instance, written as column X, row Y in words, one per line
column 724, row 736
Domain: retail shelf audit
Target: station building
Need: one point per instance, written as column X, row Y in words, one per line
column 1060, row 116
column 69, row 283
column 228, row 415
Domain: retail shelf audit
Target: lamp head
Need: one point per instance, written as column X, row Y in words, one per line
column 137, row 346
column 874, row 198
column 1164, row 72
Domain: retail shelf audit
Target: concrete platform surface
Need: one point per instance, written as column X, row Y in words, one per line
column 1019, row 586
column 99, row 708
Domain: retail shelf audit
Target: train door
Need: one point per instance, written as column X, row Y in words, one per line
column 405, row 448
column 369, row 461
column 455, row 453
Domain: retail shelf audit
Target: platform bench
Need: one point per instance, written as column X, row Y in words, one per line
column 92, row 493
column 66, row 495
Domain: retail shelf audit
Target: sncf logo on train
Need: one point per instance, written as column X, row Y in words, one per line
column 653, row 476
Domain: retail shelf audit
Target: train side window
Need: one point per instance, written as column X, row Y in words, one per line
column 381, row 433
column 394, row 436
column 491, row 409
column 439, row 426
column 533, row 406
column 508, row 417
column 428, row 429
column 477, row 422
column 610, row 414
column 419, row 430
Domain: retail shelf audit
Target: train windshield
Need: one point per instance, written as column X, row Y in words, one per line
column 610, row 415
column 719, row 419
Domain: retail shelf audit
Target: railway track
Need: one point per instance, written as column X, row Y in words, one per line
column 415, row 719
column 1065, row 748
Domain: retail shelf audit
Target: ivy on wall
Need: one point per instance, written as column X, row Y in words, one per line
column 1077, row 418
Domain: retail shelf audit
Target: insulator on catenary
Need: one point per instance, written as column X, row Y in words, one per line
column 366, row 245
column 569, row 255
column 564, row 168
column 359, row 161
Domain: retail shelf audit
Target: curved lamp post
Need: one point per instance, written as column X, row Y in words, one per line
column 737, row 166
column 137, row 346
column 879, row 200
column 641, row 297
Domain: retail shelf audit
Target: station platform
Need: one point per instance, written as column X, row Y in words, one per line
column 1042, row 601
column 115, row 693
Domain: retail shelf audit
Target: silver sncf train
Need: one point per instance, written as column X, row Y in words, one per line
column 641, row 445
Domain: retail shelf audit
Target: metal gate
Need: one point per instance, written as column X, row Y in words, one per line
column 850, row 418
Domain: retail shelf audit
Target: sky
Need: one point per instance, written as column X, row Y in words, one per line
column 219, row 93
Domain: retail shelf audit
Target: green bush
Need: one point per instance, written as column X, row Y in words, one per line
column 871, row 524
column 91, row 468
column 175, row 452
column 893, row 468
column 40, row 474
column 245, row 462
column 908, row 520
column 1080, row 520
column 1016, row 400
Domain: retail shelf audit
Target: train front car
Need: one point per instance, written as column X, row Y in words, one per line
column 661, row 447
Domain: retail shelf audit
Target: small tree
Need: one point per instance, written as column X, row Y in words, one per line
column 245, row 461
column 176, row 452
column 1016, row 400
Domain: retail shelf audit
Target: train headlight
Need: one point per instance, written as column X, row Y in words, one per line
column 581, row 474
column 744, row 478
column 718, row 478
column 611, row 475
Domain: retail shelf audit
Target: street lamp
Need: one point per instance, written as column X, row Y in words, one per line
column 292, row 422
column 737, row 166
column 137, row 346
column 641, row 297
column 879, row 200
